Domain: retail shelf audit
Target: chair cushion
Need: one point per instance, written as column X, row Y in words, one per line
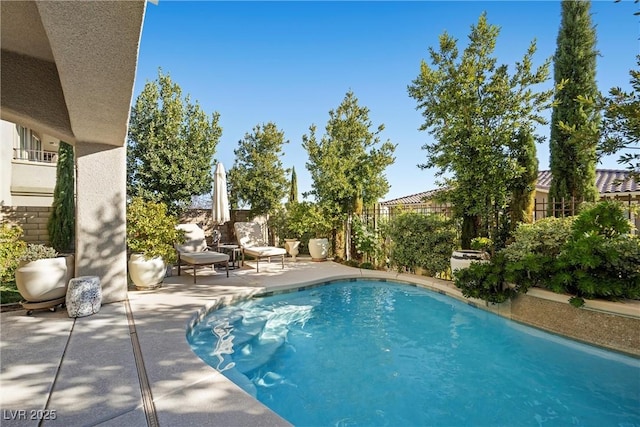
column 194, row 239
column 200, row 258
column 264, row 251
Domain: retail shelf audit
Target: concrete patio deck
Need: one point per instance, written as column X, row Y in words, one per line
column 130, row 364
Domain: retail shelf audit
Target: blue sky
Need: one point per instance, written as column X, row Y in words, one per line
column 292, row 62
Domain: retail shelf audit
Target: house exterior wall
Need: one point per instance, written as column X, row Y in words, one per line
column 29, row 180
column 7, row 134
column 32, row 184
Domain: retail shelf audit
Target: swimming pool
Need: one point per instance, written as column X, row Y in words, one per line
column 383, row 353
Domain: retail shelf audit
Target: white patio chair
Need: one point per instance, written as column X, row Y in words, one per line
column 251, row 242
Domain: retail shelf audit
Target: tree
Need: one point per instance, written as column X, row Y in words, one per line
column 293, row 191
column 574, row 124
column 347, row 164
column 621, row 127
column 475, row 111
column 524, row 187
column 257, row 177
column 170, row 147
column 61, row 224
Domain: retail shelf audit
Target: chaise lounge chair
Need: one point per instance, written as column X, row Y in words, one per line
column 251, row 241
column 194, row 250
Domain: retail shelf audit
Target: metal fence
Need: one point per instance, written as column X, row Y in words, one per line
column 542, row 209
column 373, row 216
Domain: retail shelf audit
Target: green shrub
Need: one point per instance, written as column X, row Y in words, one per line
column 481, row 244
column 11, row 249
column 601, row 259
column 151, row 230
column 485, row 280
column 34, row 252
column 367, row 266
column 592, row 255
column 351, row 263
column 368, row 243
column 532, row 257
column 300, row 220
column 424, row 241
column 606, row 218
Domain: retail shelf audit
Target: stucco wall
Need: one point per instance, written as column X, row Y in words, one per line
column 7, row 134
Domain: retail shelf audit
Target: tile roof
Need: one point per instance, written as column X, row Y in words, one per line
column 608, row 181
column 412, row 199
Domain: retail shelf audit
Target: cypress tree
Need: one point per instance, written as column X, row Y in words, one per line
column 524, row 187
column 574, row 124
column 61, row 224
column 293, row 191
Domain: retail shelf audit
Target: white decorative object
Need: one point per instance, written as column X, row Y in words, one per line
column 84, row 296
column 291, row 245
column 319, row 249
column 146, row 273
column 43, row 283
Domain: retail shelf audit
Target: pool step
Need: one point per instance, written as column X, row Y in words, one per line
column 247, row 329
column 256, row 353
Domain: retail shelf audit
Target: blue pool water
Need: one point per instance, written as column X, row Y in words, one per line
column 378, row 353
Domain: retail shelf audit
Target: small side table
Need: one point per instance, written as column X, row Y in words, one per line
column 233, row 251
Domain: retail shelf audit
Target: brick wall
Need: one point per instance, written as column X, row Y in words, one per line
column 32, row 219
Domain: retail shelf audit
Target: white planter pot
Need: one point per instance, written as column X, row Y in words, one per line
column 292, row 247
column 44, row 279
column 319, row 249
column 146, row 273
column 463, row 258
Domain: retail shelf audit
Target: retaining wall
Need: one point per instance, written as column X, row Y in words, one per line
column 32, row 219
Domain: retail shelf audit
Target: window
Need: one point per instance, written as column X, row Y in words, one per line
column 29, row 145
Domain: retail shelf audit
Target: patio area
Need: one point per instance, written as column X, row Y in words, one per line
column 131, row 365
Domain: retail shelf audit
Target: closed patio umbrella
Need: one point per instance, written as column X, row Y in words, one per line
column 220, row 210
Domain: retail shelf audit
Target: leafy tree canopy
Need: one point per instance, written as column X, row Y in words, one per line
column 347, row 164
column 475, row 111
column 170, row 147
column 257, row 177
column 574, row 125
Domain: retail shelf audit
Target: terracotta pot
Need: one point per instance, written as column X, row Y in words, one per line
column 146, row 273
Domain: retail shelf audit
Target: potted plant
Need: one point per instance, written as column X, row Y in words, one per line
column 319, row 227
column 151, row 235
column 42, row 277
